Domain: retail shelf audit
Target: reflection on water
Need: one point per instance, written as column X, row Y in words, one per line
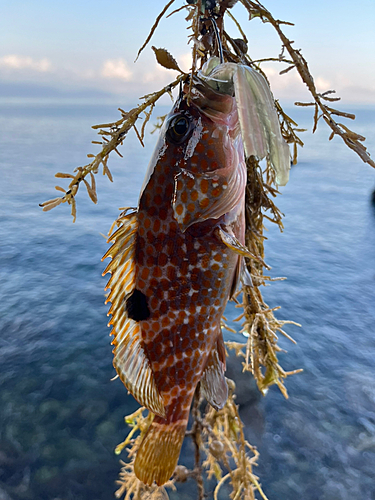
column 61, row 417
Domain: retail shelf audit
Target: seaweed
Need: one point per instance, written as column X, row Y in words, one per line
column 221, row 450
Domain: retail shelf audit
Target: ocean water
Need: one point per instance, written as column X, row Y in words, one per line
column 61, row 416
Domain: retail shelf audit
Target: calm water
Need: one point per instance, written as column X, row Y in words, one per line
column 61, row 417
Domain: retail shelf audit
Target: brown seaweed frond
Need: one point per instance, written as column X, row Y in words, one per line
column 321, row 108
column 261, row 326
column 229, row 456
column 237, row 52
column 112, row 135
column 155, row 25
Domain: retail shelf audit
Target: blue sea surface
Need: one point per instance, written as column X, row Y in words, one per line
column 60, row 414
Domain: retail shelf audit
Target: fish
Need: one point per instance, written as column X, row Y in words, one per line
column 176, row 260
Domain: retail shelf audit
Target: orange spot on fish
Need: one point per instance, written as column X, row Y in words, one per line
column 190, row 183
column 163, row 214
column 162, row 259
column 186, row 219
column 191, row 207
column 216, row 192
column 204, row 186
column 171, row 273
column 170, row 361
column 199, row 148
column 214, row 165
column 147, row 223
column 184, row 267
column 184, row 196
column 158, row 200
column 141, row 284
column 194, row 195
column 218, row 257
column 204, row 164
column 165, row 321
column 185, row 343
column 165, row 284
column 145, row 272
column 154, row 302
column 210, row 153
column 157, row 224
column 157, row 272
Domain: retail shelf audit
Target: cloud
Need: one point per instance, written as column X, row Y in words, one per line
column 16, row 62
column 117, row 69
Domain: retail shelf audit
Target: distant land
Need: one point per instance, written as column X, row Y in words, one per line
column 32, row 90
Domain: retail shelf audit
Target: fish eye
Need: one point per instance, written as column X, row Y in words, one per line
column 178, row 129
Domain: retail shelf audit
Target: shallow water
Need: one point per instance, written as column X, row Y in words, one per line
column 61, row 417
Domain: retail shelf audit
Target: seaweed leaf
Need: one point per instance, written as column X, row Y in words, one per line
column 155, row 25
column 165, row 59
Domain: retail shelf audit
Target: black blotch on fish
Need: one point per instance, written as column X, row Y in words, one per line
column 136, row 306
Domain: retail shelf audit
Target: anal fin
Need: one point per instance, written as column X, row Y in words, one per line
column 213, row 384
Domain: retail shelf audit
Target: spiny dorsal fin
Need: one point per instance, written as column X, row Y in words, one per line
column 130, row 360
column 213, row 384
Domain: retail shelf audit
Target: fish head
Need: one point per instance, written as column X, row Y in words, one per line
column 200, row 147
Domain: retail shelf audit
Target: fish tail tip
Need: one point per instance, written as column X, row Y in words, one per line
column 158, row 454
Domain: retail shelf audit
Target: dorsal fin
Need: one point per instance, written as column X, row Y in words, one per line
column 130, row 360
column 213, row 384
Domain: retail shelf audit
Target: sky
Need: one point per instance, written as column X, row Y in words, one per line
column 87, row 48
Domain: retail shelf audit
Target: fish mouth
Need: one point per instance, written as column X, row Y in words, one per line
column 208, row 100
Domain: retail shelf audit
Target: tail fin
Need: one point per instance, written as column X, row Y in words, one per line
column 158, row 454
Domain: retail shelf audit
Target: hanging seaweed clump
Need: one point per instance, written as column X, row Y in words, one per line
column 221, row 450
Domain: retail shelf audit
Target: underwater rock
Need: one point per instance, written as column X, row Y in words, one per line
column 4, row 495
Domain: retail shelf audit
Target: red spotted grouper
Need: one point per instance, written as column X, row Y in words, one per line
column 177, row 259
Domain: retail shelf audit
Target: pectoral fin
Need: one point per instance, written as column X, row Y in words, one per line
column 228, row 238
column 213, row 384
